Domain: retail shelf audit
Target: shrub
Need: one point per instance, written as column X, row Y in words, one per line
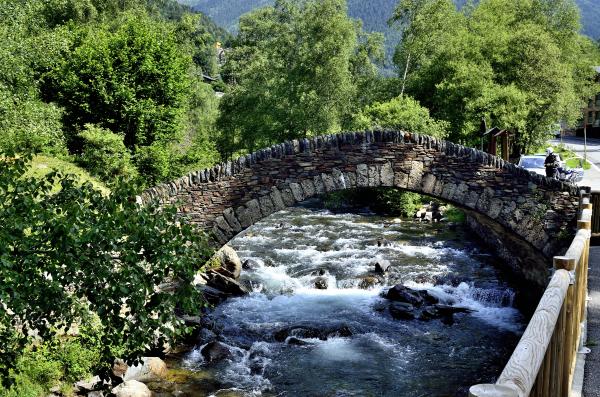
column 104, row 154
column 76, row 251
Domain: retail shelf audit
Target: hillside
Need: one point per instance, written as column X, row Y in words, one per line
column 374, row 14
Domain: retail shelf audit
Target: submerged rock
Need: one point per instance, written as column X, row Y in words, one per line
column 382, row 265
column 368, row 282
column 402, row 310
column 321, row 283
column 215, row 351
column 312, row 332
column 250, row 264
column 292, row 340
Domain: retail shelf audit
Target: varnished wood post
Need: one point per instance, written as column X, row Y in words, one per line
column 568, row 264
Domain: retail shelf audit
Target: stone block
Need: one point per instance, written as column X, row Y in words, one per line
column 362, row 175
column 297, row 192
column 266, row 205
column 318, row 184
column 254, row 210
column 471, row 199
column 243, row 216
column 229, row 216
column 374, row 179
column 400, row 179
column 288, row 196
column 416, row 175
column 277, row 199
column 338, row 179
column 328, row 183
column 308, row 187
column 350, row 178
column 428, row 183
column 387, row 174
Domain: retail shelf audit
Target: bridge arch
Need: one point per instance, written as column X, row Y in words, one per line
column 536, row 213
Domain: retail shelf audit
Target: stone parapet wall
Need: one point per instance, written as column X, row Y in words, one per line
column 230, row 197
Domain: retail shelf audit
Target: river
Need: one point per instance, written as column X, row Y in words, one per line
column 290, row 338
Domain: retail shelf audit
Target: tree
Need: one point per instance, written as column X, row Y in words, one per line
column 65, row 255
column 127, row 76
column 522, row 65
column 402, row 113
column 295, row 70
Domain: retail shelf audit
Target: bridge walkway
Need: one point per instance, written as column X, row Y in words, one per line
column 591, row 380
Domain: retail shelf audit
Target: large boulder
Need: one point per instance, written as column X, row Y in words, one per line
column 228, row 262
column 131, row 388
column 224, row 284
column 215, row 351
column 400, row 293
column 148, row 370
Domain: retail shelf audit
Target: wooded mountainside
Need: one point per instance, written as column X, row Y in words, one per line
column 373, row 13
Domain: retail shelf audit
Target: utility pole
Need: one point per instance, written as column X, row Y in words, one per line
column 585, row 142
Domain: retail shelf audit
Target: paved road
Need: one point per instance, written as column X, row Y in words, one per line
column 592, row 176
column 591, row 380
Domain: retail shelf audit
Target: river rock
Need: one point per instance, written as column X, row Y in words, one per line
column 225, row 284
column 229, row 262
column 402, row 310
column 250, row 264
column 321, row 283
column 400, row 293
column 149, row 369
column 312, row 332
column 292, row 340
column 382, row 265
column 131, row 388
column 205, row 336
column 368, row 282
column 119, row 367
column 88, row 384
column 215, row 351
column 447, row 309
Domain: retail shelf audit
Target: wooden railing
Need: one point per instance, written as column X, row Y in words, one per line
column 595, row 201
column 543, row 363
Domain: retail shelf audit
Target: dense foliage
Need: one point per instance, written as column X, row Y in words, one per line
column 520, row 65
column 77, row 253
column 296, row 71
column 133, row 68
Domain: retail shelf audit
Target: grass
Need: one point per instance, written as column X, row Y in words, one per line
column 42, row 165
column 571, row 160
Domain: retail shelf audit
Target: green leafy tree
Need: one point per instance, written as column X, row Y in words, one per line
column 521, row 65
column 75, row 252
column 127, row 76
column 294, row 69
column 402, row 113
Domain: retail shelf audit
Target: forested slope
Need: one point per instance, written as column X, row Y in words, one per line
column 374, row 13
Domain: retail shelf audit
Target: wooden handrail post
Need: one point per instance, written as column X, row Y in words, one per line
column 570, row 325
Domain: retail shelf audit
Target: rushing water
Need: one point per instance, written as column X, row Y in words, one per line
column 365, row 352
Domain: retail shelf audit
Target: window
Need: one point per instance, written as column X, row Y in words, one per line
column 598, row 101
column 590, row 118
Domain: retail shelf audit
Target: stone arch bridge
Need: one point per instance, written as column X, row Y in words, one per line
column 526, row 217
